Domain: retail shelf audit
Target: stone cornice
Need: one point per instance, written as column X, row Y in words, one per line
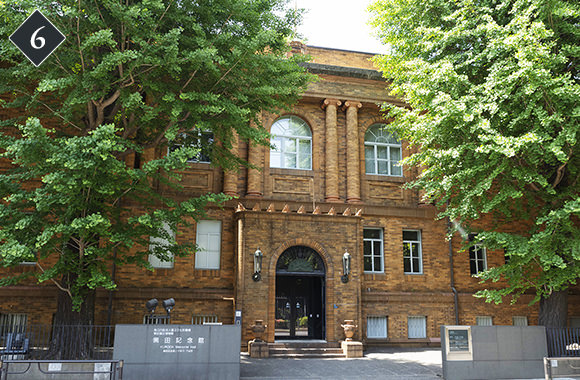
column 341, row 71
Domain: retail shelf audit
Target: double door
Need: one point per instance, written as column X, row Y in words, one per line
column 300, row 307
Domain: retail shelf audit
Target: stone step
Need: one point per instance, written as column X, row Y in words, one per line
column 310, row 350
column 310, row 356
column 304, row 344
column 306, row 350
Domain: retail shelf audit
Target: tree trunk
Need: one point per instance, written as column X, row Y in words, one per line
column 72, row 334
column 554, row 310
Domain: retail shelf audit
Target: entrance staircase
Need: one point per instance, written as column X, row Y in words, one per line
column 305, row 349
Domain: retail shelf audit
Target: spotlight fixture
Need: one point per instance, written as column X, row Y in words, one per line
column 168, row 305
column 151, row 305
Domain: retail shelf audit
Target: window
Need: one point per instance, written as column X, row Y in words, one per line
column 520, row 321
column 199, row 319
column 377, row 327
column 201, row 140
column 417, row 327
column 291, row 144
column 209, row 244
column 382, row 151
column 373, row 250
column 483, row 320
column 412, row 260
column 477, row 258
column 161, row 243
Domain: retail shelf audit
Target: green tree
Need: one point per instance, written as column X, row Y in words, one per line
column 131, row 75
column 494, row 94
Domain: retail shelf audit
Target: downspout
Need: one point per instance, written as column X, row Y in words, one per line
column 451, row 279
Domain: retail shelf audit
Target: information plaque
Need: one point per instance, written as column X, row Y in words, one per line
column 458, row 343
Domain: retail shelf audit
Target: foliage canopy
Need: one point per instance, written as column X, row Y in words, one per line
column 131, row 76
column 494, row 93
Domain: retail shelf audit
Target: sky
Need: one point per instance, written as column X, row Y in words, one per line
column 340, row 24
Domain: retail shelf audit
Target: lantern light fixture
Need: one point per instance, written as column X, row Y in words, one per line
column 257, row 276
column 345, row 266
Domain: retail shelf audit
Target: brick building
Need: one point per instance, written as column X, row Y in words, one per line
column 332, row 185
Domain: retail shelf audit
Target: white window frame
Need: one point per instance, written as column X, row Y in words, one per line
column 375, row 160
column 374, row 324
column 520, row 320
column 417, row 334
column 477, row 255
column 154, row 260
column 284, row 139
column 203, row 240
column 410, row 257
column 373, row 254
column 484, row 320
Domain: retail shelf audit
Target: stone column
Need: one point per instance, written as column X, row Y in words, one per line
column 331, row 180
column 231, row 176
column 254, row 188
column 352, row 152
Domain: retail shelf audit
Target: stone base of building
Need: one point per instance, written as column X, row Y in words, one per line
column 258, row 349
column 352, row 349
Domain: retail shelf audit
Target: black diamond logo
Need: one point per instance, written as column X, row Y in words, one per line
column 37, row 38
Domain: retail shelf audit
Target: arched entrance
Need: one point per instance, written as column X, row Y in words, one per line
column 300, row 294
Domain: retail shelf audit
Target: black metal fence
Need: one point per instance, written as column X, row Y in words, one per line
column 45, row 342
column 563, row 341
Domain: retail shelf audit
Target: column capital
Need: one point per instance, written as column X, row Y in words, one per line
column 352, row 103
column 329, row 101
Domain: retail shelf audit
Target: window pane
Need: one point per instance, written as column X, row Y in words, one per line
column 396, row 169
column 289, row 160
column 383, row 167
column 372, row 234
column 406, row 250
column 407, row 265
column 370, row 167
column 275, row 159
column 377, row 247
column 367, row 246
column 416, row 268
column 382, row 152
column 305, row 162
column 376, row 327
column 290, row 145
column 277, row 144
column 395, row 154
column 377, row 264
column 411, row 235
column 369, row 153
column 415, row 250
column 472, row 267
column 368, row 263
column 417, row 327
column 304, row 146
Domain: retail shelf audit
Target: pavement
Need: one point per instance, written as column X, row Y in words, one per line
column 377, row 364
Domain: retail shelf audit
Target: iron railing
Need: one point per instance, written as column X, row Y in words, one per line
column 46, row 342
column 563, row 342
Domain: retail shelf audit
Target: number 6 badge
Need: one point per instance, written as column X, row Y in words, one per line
column 37, row 38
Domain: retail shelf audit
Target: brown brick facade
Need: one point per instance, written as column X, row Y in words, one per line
column 326, row 209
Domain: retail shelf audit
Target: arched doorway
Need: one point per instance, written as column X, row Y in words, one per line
column 300, row 294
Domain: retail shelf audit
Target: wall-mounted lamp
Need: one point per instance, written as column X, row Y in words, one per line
column 257, row 276
column 345, row 266
column 151, row 305
column 168, row 304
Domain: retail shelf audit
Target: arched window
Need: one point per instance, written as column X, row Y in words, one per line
column 382, row 151
column 291, row 144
